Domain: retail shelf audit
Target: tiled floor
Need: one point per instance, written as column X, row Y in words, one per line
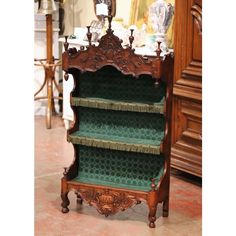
column 52, row 153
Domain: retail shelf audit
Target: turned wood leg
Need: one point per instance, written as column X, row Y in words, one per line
column 152, row 202
column 79, row 198
column 64, row 196
column 165, row 212
column 152, row 216
column 65, row 202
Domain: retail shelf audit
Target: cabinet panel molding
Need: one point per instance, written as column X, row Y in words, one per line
column 187, row 135
column 189, row 44
column 186, row 151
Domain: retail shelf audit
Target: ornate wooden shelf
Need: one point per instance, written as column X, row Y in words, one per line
column 116, row 142
column 109, row 104
column 122, row 130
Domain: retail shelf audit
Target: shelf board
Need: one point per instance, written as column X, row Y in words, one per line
column 108, row 104
column 114, row 168
column 115, row 142
column 96, row 182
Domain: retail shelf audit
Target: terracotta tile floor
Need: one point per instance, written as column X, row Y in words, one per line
column 52, row 153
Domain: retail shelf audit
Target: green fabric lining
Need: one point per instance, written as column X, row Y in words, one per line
column 118, row 105
column 121, row 127
column 109, row 83
column 146, row 126
column 118, row 130
column 115, row 143
column 118, row 169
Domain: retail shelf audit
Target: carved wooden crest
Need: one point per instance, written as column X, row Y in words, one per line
column 108, row 202
column 111, row 52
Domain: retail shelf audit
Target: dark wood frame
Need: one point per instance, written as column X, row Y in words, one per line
column 110, row 200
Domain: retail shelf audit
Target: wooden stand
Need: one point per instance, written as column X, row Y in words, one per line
column 49, row 66
column 109, row 197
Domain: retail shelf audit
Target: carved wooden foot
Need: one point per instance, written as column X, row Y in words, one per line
column 165, row 212
column 79, row 198
column 65, row 203
column 152, row 216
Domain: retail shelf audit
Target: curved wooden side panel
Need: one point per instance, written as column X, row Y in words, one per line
column 164, row 184
column 72, row 171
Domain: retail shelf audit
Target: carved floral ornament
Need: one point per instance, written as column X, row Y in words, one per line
column 108, row 202
column 110, row 52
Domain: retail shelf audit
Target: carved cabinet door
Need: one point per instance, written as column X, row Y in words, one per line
column 186, row 150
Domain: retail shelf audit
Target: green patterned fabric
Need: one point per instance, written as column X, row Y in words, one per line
column 121, row 128
column 118, row 130
column 117, row 168
column 109, row 83
column 118, row 105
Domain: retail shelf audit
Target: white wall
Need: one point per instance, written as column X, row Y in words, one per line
column 84, row 13
column 123, row 8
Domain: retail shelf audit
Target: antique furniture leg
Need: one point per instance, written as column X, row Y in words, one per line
column 64, row 196
column 152, row 204
column 152, row 214
column 166, row 208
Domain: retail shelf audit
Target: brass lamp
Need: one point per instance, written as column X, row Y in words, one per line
column 47, row 7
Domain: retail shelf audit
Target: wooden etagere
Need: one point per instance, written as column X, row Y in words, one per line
column 122, row 130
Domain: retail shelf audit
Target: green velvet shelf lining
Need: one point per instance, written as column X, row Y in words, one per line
column 134, row 125
column 115, row 142
column 117, row 168
column 109, row 83
column 120, row 129
column 114, row 184
column 108, row 104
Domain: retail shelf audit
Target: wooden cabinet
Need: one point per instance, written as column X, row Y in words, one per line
column 122, row 132
column 186, row 151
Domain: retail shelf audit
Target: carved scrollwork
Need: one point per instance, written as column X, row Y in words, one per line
column 108, row 202
column 72, row 51
column 110, row 42
column 111, row 52
column 196, row 11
